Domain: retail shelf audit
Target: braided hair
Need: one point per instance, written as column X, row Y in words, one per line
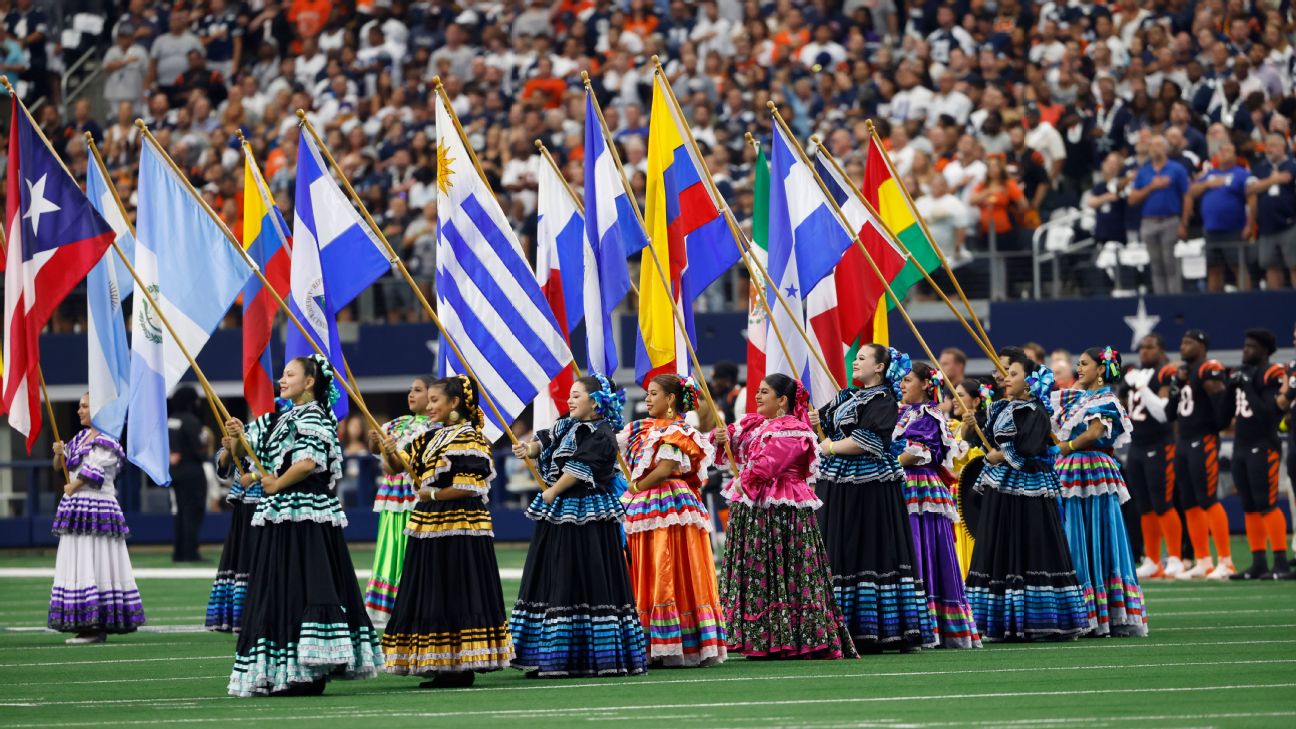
column 463, row 388
column 316, row 367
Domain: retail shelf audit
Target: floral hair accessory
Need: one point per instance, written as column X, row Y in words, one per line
column 1040, row 384
column 609, row 402
column 933, row 388
column 689, row 394
column 986, row 393
column 801, row 404
column 1110, row 360
column 896, row 371
column 326, row 371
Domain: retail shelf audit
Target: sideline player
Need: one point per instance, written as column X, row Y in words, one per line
column 1150, row 463
column 1199, row 408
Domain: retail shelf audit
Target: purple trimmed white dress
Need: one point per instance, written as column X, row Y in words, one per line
column 94, row 587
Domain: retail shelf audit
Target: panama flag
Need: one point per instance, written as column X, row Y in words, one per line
column 265, row 237
column 54, row 237
column 184, row 256
column 614, row 232
column 688, row 234
column 564, row 266
column 107, row 288
column 806, row 240
column 335, row 256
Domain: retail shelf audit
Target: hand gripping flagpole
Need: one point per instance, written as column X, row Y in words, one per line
column 832, row 202
column 580, row 207
column 740, row 240
column 985, row 338
column 983, row 343
column 409, row 279
column 349, row 387
column 676, row 310
column 218, row 408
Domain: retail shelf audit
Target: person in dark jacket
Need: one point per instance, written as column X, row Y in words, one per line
column 188, row 480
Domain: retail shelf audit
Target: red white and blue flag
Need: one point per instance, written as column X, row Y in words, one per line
column 54, row 237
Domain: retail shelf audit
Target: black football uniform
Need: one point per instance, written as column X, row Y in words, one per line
column 1200, row 418
column 1150, row 463
column 1257, row 450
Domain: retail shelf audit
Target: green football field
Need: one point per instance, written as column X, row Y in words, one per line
column 1219, row 655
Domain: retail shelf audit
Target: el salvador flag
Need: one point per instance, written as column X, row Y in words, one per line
column 192, row 270
column 108, row 286
column 614, row 232
column 335, row 256
column 806, row 240
column 487, row 295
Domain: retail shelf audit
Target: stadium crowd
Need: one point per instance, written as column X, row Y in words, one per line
column 1167, row 120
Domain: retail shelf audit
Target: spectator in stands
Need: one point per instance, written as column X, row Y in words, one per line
column 126, row 65
column 1160, row 188
column 1000, row 198
column 1222, row 190
column 13, row 58
column 30, row 27
column 1271, row 188
column 946, row 216
column 1063, row 367
column 169, row 55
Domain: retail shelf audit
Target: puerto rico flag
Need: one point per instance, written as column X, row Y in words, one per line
column 54, row 237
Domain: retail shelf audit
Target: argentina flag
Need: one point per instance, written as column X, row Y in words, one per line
column 487, row 296
column 107, row 288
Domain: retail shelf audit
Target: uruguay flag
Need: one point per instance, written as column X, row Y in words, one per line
column 54, row 238
column 265, row 237
column 564, row 264
column 614, row 232
column 335, row 256
column 806, row 240
column 487, row 296
column 183, row 256
column 107, row 288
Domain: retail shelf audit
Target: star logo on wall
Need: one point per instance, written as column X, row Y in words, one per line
column 1141, row 323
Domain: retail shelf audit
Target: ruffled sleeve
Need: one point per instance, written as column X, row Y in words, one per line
column 784, row 453
column 872, row 425
column 100, row 464
column 315, row 439
column 1030, row 435
column 923, row 436
column 594, row 458
column 455, row 458
column 740, row 435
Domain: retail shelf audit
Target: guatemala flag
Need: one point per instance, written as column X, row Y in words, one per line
column 335, row 256
column 184, row 257
column 487, row 295
column 614, row 232
column 806, row 240
column 107, row 288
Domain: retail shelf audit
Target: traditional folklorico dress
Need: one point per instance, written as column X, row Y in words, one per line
column 923, row 432
column 229, row 591
column 1022, row 584
column 576, row 613
column 668, row 528
column 393, row 502
column 304, row 621
column 776, row 590
column 449, row 615
column 875, row 573
column 1093, row 489
column 94, row 589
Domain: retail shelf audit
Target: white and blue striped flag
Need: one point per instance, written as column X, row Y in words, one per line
column 107, row 288
column 806, row 241
column 613, row 232
column 194, row 274
column 487, row 296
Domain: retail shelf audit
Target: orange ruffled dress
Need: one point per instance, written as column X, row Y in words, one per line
column 668, row 530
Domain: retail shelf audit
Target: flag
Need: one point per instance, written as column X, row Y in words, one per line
column 688, row 234
column 564, row 267
column 806, row 240
column 757, row 321
column 265, row 237
column 487, row 295
column 335, row 256
column 194, row 274
column 614, row 232
column 107, row 288
column 885, row 193
column 54, row 238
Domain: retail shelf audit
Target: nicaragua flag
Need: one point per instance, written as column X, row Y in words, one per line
column 107, row 288
column 54, row 238
column 265, row 237
column 614, row 232
column 806, row 240
column 564, row 264
column 184, row 258
column 335, row 256
column 487, row 296
column 688, row 233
